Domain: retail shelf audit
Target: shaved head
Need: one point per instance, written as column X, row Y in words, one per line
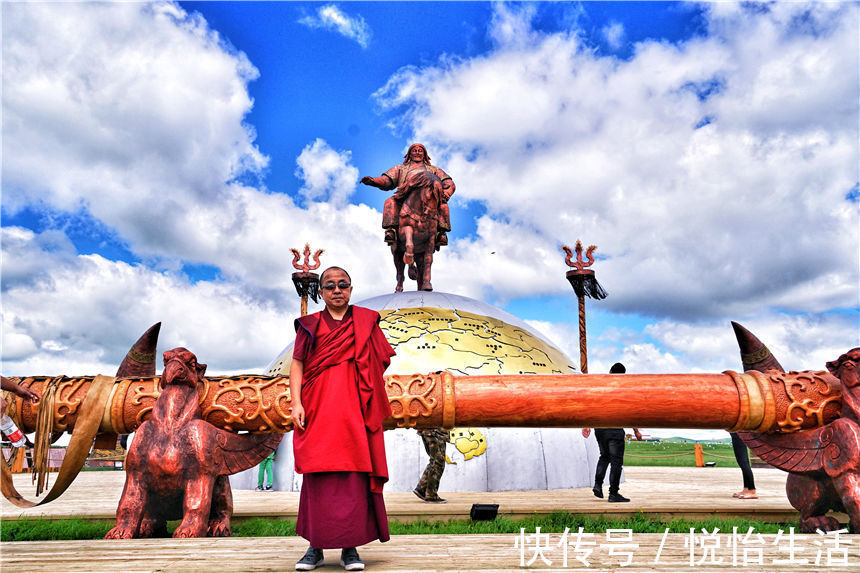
column 322, row 276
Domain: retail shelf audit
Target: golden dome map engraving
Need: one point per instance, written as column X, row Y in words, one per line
column 465, row 343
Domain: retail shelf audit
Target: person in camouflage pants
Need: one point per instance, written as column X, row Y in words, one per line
column 434, row 444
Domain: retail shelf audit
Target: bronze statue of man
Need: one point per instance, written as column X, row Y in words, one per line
column 416, row 158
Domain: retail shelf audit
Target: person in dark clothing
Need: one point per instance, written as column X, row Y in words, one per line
column 611, row 444
column 743, row 459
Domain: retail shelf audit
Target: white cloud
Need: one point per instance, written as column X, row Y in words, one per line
column 83, row 315
column 500, row 263
column 327, row 174
column 799, row 342
column 29, row 257
column 330, row 17
column 711, row 173
column 512, row 24
column 135, row 122
column 613, row 33
column 138, row 125
column 17, row 345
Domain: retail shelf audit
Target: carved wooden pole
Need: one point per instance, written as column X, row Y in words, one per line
column 771, row 402
column 583, row 350
column 306, row 282
column 584, row 284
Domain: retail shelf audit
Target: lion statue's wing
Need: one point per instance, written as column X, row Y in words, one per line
column 239, row 452
column 799, row 452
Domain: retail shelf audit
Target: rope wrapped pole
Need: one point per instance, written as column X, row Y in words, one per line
column 583, row 350
column 584, row 284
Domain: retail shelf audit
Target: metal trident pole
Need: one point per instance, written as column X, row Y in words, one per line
column 584, row 284
column 307, row 283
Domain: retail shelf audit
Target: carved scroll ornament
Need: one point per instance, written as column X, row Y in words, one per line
column 412, row 397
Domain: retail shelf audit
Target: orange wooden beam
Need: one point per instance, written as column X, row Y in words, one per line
column 772, row 402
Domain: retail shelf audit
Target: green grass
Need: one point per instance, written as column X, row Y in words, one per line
column 48, row 529
column 558, row 521
column 656, row 450
column 652, row 452
column 71, row 529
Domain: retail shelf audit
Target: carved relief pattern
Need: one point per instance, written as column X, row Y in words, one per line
column 143, row 397
column 142, row 357
column 252, row 403
column 805, row 399
column 412, row 397
column 831, row 448
column 754, row 357
column 237, row 403
column 68, row 396
column 67, row 400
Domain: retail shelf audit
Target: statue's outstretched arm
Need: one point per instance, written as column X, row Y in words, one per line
column 383, row 182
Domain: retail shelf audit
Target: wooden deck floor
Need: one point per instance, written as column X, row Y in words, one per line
column 667, row 492
column 425, row 553
column 689, row 492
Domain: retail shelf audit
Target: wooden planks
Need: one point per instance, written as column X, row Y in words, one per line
column 427, row 553
column 692, row 492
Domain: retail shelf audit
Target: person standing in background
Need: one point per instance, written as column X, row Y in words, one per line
column 611, row 444
column 434, row 444
column 743, row 459
column 266, row 467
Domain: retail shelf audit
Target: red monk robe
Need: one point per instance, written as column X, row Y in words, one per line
column 341, row 452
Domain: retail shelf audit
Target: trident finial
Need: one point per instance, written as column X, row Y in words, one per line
column 579, row 264
column 306, row 266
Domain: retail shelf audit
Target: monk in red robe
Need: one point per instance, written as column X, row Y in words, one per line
column 338, row 405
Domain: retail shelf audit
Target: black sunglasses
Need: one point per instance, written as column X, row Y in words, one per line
column 342, row 285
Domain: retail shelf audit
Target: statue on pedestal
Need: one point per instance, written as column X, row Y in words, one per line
column 416, row 218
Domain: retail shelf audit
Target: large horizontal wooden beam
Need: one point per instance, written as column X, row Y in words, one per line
column 765, row 403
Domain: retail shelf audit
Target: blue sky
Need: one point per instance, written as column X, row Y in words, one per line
column 308, row 92
column 160, row 159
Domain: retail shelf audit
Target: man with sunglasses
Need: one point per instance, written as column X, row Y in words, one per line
column 338, row 405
